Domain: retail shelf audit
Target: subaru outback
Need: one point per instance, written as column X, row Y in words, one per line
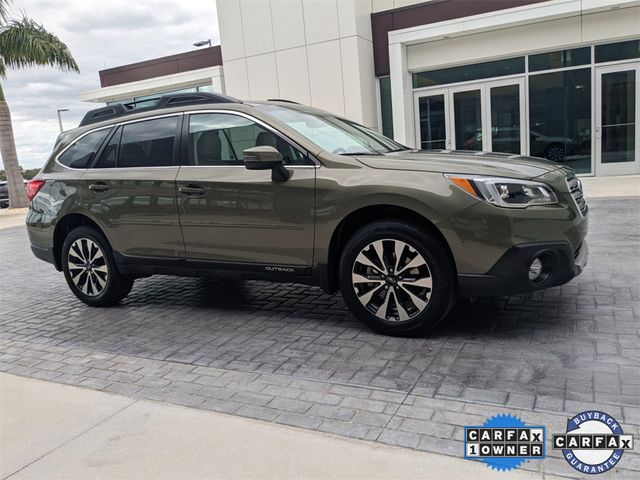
column 200, row 184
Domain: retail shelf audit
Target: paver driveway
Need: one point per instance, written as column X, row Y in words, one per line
column 294, row 355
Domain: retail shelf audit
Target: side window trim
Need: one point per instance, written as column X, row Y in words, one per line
column 76, row 140
column 310, row 160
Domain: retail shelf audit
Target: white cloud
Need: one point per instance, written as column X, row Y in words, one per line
column 100, row 35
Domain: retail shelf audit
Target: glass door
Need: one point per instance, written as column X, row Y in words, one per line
column 486, row 116
column 432, row 128
column 505, row 116
column 617, row 126
column 468, row 129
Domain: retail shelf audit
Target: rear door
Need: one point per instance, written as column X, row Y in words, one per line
column 231, row 214
column 130, row 188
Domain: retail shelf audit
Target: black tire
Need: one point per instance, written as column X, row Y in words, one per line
column 98, row 289
column 555, row 152
column 438, row 269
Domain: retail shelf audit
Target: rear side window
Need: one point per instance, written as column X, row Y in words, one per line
column 82, row 152
column 220, row 139
column 141, row 144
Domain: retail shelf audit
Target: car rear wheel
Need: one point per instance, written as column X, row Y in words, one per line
column 396, row 278
column 90, row 270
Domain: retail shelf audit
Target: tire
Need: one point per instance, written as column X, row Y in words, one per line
column 405, row 305
column 90, row 271
column 555, row 152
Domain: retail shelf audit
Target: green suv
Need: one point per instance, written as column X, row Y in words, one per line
column 201, row 184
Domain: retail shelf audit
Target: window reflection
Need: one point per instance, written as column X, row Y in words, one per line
column 560, row 117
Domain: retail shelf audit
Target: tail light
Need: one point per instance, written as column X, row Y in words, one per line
column 33, row 187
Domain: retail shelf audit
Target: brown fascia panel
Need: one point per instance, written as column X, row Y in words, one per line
column 157, row 67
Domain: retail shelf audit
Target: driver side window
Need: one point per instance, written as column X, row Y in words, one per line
column 218, row 139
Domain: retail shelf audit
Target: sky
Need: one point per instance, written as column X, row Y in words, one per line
column 100, row 34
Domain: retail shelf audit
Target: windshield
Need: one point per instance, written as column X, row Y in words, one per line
column 334, row 134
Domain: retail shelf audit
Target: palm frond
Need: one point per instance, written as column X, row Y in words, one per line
column 4, row 9
column 25, row 43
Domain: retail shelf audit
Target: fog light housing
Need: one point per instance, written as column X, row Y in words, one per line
column 535, row 270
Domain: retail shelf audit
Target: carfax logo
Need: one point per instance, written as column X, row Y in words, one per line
column 504, row 442
column 594, row 442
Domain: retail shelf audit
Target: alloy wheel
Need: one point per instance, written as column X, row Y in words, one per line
column 392, row 280
column 87, row 267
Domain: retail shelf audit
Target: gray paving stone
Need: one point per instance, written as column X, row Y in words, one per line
column 290, row 405
column 333, row 412
column 233, row 345
column 299, row 420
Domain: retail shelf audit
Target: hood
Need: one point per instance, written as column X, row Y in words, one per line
column 463, row 162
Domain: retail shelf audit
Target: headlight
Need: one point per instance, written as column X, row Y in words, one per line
column 505, row 192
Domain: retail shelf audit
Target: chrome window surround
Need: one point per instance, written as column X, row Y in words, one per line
column 316, row 163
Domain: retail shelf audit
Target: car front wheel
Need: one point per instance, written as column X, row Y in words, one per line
column 397, row 278
column 90, row 270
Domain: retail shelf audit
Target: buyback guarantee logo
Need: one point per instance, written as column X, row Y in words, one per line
column 594, row 442
column 504, row 442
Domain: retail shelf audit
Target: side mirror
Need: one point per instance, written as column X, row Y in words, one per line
column 266, row 158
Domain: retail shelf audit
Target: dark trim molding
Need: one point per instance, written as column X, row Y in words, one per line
column 423, row 14
column 157, row 67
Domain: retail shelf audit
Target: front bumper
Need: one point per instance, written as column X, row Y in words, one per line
column 510, row 274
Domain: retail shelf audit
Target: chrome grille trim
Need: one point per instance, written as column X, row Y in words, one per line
column 575, row 188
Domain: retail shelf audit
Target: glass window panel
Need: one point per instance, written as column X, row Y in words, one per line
column 148, row 144
column 464, row 73
column 617, row 51
column 221, row 139
column 560, row 59
column 560, row 117
column 468, row 120
column 505, row 119
column 82, row 152
column 432, row 123
column 618, row 116
column 385, row 107
column 109, row 156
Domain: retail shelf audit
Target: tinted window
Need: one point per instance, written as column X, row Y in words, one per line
column 81, row 153
column 560, row 59
column 220, row 139
column 617, row 51
column 496, row 68
column 143, row 144
column 109, row 156
column 560, row 117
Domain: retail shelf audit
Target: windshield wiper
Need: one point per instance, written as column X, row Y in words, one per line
column 402, row 149
column 362, row 153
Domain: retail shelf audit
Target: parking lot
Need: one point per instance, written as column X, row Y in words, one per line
column 294, row 355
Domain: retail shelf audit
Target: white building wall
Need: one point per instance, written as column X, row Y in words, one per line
column 317, row 52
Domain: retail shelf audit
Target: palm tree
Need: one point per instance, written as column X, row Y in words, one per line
column 23, row 43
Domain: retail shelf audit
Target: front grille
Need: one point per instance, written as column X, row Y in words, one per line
column 575, row 187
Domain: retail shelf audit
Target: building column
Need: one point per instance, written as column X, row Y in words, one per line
column 401, row 95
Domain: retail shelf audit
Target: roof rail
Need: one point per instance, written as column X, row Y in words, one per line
column 282, row 100
column 164, row 101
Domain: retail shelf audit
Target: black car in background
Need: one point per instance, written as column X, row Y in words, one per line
column 4, row 195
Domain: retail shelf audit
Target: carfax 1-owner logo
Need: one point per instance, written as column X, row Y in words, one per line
column 504, row 442
column 593, row 443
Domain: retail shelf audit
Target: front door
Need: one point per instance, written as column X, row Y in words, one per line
column 617, row 123
column 231, row 214
column 486, row 116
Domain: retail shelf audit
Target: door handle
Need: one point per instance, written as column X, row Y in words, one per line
column 192, row 190
column 99, row 187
